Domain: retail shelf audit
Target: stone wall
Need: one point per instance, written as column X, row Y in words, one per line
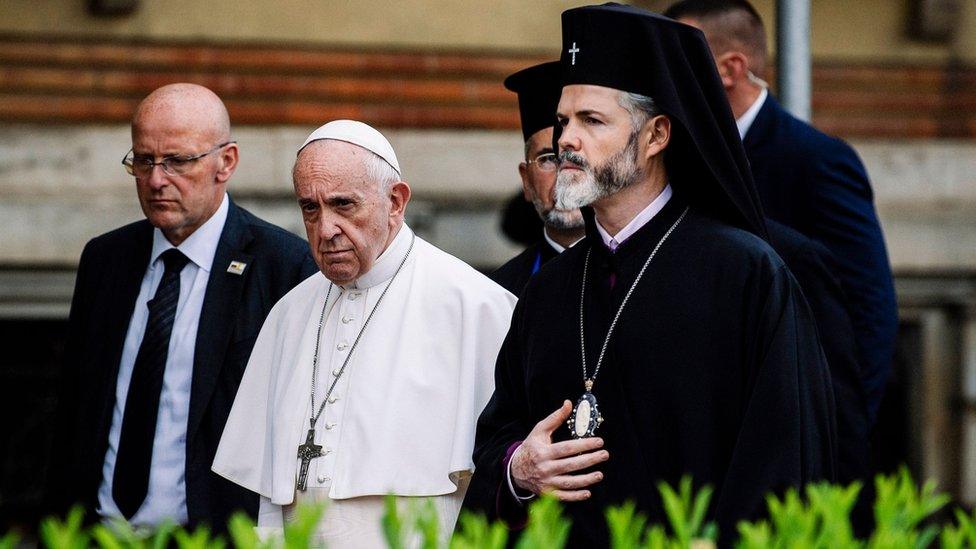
column 63, row 184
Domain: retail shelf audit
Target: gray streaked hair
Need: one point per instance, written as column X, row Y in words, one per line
column 381, row 172
column 641, row 108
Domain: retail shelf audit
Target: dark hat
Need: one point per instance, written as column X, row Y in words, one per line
column 633, row 50
column 538, row 88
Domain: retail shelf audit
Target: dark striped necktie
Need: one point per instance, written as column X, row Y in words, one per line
column 131, row 478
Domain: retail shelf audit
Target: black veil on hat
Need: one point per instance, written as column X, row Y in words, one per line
column 538, row 88
column 633, row 50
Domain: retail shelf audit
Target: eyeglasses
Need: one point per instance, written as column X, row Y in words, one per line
column 142, row 165
column 546, row 162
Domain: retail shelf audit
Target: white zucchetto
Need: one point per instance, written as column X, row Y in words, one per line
column 359, row 134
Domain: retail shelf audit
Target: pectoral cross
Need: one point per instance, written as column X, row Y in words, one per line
column 307, row 452
column 574, row 50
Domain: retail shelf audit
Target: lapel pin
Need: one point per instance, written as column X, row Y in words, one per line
column 236, row 267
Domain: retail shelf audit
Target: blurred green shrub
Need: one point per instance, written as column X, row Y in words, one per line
column 820, row 518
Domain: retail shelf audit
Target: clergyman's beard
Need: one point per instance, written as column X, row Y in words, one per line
column 618, row 172
column 560, row 220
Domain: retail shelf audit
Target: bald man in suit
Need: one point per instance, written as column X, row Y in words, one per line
column 164, row 315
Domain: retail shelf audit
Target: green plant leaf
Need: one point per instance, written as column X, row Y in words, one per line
column 163, row 535
column 832, row 505
column 9, row 540
column 959, row 535
column 67, row 534
column 197, row 539
column 393, row 524
column 546, row 527
column 899, row 509
column 699, row 510
column 626, row 526
column 474, row 532
column 967, row 526
column 300, row 533
column 425, row 521
column 656, row 538
column 754, row 535
column 240, row 527
column 685, row 510
column 118, row 536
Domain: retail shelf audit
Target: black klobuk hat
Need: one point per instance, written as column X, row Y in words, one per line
column 538, row 88
column 633, row 50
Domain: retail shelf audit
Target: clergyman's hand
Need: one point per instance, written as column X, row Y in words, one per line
column 541, row 466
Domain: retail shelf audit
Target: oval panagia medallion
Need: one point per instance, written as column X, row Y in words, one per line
column 583, row 414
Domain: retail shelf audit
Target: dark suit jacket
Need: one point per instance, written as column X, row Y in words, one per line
column 515, row 273
column 817, row 185
column 813, row 266
column 109, row 276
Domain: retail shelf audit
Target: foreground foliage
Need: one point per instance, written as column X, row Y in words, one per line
column 818, row 518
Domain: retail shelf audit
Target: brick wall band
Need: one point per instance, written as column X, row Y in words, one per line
column 76, row 81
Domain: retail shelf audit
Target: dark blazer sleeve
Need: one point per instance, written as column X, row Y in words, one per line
column 61, row 488
column 817, row 185
column 848, row 226
column 106, row 285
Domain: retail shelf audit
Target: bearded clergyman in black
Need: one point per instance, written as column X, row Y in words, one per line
column 538, row 90
column 672, row 340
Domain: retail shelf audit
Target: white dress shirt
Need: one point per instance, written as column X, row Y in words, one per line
column 166, row 495
column 555, row 245
column 745, row 121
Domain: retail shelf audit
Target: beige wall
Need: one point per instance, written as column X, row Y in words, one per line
column 862, row 30
column 507, row 24
column 842, row 29
column 866, row 29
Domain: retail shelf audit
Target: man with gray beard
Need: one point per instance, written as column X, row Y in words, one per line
column 672, row 340
column 538, row 88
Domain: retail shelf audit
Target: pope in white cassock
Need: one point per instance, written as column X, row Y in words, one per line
column 366, row 379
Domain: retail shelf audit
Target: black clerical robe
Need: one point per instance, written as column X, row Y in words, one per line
column 714, row 370
column 515, row 273
column 814, row 268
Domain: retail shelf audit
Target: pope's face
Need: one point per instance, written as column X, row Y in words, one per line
column 539, row 181
column 348, row 218
column 597, row 148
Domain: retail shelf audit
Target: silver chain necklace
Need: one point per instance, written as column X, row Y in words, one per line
column 586, row 418
column 309, row 450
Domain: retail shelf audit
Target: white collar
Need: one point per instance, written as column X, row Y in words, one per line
column 555, row 245
column 386, row 264
column 745, row 121
column 637, row 222
column 201, row 245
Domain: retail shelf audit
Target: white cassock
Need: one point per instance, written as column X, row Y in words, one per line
column 402, row 416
